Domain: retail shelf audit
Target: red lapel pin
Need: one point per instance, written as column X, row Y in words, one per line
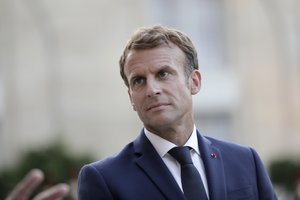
column 213, row 155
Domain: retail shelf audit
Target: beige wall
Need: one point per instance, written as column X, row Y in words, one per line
column 60, row 78
column 263, row 52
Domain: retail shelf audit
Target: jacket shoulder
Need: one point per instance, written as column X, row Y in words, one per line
column 114, row 160
column 229, row 146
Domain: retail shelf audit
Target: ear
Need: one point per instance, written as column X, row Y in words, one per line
column 131, row 101
column 195, row 82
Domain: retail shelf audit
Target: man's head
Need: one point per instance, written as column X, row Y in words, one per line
column 159, row 67
column 151, row 37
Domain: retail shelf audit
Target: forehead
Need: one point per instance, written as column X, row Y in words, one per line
column 163, row 55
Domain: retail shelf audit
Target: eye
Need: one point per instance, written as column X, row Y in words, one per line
column 163, row 74
column 138, row 81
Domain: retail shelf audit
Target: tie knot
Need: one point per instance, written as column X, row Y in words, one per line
column 182, row 155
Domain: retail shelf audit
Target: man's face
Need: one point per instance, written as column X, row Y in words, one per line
column 158, row 88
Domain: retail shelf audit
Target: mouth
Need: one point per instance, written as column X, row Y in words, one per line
column 157, row 106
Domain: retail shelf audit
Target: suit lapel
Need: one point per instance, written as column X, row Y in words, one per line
column 214, row 168
column 152, row 164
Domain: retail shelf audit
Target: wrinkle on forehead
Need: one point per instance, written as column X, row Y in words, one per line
column 164, row 55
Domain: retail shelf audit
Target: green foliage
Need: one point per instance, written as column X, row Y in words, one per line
column 285, row 173
column 57, row 164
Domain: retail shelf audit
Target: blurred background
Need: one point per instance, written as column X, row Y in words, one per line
column 60, row 82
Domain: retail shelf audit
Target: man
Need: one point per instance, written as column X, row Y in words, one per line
column 160, row 68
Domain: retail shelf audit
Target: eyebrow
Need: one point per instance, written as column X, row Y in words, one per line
column 166, row 67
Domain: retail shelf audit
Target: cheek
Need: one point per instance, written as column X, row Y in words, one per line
column 137, row 100
column 183, row 95
column 181, row 89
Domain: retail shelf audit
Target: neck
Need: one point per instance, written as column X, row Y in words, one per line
column 178, row 135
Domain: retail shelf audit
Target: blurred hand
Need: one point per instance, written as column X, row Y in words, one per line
column 34, row 178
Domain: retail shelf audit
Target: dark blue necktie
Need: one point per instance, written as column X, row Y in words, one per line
column 192, row 185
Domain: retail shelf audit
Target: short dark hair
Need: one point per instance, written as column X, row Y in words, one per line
column 150, row 37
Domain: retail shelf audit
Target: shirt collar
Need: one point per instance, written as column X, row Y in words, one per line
column 162, row 146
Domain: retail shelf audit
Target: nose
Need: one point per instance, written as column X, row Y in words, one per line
column 153, row 88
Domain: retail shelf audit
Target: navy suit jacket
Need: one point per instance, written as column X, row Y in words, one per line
column 139, row 173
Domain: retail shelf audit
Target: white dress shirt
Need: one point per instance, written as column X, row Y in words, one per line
column 162, row 147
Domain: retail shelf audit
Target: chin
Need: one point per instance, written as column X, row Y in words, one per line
column 161, row 122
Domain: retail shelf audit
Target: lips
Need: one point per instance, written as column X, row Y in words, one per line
column 156, row 105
